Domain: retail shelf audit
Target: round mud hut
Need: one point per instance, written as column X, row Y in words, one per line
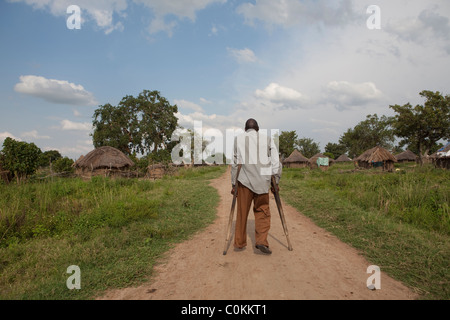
column 296, row 160
column 103, row 161
column 320, row 161
column 406, row 156
column 377, row 157
column 343, row 158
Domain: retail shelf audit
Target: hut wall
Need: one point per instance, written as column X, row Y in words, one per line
column 86, row 173
column 296, row 165
column 387, row 165
column 443, row 163
column 156, row 173
column 364, row 164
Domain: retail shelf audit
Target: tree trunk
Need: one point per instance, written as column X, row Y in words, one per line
column 420, row 154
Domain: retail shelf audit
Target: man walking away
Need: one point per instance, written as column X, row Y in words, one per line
column 258, row 155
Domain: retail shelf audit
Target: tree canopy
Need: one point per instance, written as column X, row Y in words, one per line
column 308, row 147
column 142, row 124
column 372, row 132
column 287, row 141
column 20, row 158
column 423, row 126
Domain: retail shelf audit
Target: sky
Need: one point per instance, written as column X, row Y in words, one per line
column 314, row 66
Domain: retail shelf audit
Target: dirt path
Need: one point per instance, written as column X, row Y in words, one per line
column 319, row 267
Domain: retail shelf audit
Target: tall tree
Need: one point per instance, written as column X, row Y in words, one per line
column 287, row 140
column 48, row 157
column 142, row 124
column 20, row 158
column 336, row 149
column 368, row 134
column 423, row 125
column 308, row 147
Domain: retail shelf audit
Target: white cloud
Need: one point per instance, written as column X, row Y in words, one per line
column 203, row 100
column 428, row 26
column 6, row 134
column 282, row 96
column 100, row 11
column 188, row 105
column 344, row 94
column 242, row 56
column 68, row 125
column 34, row 135
column 55, row 91
column 182, row 9
column 103, row 12
column 72, row 152
column 289, row 13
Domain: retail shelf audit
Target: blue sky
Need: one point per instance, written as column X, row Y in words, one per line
column 310, row 66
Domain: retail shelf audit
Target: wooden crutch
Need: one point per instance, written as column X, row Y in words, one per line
column 230, row 220
column 276, row 193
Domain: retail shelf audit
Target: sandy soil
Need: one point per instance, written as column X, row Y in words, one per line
column 319, row 267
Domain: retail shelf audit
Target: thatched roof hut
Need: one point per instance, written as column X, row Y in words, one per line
column 441, row 158
column 103, row 160
column 406, row 156
column 376, row 157
column 314, row 159
column 75, row 163
column 296, row 160
column 156, row 171
column 343, row 158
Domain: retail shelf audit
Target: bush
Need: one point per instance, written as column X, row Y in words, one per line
column 63, row 165
column 20, row 158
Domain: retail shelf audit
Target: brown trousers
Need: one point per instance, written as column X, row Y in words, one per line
column 262, row 216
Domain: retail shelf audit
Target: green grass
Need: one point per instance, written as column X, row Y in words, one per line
column 399, row 221
column 114, row 230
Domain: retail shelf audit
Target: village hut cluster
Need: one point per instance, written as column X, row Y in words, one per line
column 297, row 160
column 111, row 162
column 376, row 157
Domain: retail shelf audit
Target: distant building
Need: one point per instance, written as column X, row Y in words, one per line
column 343, row 158
column 296, row 160
column 406, row 156
column 377, row 157
column 320, row 161
column 107, row 161
column 441, row 158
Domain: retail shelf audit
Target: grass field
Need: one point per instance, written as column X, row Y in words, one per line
column 400, row 221
column 114, row 230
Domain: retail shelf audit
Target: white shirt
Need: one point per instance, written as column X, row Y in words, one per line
column 258, row 155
